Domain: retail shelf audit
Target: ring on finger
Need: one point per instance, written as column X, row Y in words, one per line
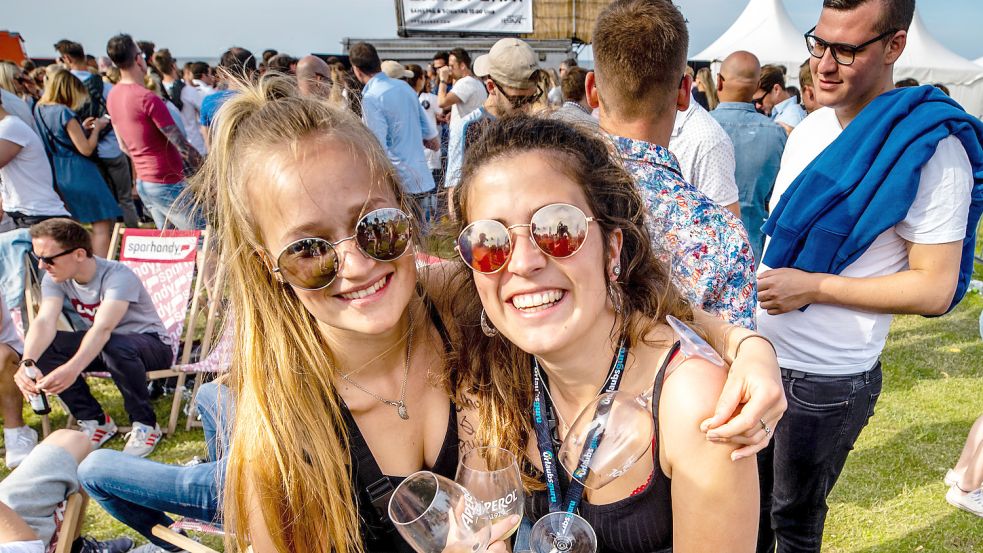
column 764, row 426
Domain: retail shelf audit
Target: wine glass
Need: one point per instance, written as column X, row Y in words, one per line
column 435, row 514
column 491, row 475
column 562, row 532
column 617, row 428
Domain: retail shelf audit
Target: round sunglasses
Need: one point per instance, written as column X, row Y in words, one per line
column 558, row 230
column 313, row 263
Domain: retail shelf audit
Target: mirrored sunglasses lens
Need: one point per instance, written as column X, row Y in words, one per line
column 485, row 246
column 559, row 229
column 310, row 263
column 384, row 234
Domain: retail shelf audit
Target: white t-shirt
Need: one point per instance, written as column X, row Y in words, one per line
column 27, row 185
column 835, row 340
column 190, row 115
column 14, row 105
column 429, row 103
column 472, row 94
column 705, row 153
column 8, row 333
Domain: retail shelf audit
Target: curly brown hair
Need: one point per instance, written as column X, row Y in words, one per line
column 495, row 372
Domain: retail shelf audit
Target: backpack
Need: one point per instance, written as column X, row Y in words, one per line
column 175, row 94
column 96, row 105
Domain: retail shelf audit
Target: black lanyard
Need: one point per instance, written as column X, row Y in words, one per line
column 544, row 436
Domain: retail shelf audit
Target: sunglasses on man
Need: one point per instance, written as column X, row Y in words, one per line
column 517, row 101
column 50, row 259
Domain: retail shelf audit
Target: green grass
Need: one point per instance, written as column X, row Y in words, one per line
column 890, row 497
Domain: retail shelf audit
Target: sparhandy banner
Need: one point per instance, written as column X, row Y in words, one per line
column 468, row 16
column 160, row 249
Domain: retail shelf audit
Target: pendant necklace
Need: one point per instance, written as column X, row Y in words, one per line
column 400, row 405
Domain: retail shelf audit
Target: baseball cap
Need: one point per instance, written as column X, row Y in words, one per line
column 395, row 70
column 510, row 62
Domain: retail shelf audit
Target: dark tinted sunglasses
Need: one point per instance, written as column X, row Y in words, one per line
column 558, row 230
column 50, row 259
column 518, row 101
column 313, row 263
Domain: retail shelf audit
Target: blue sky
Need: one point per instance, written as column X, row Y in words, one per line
column 204, row 28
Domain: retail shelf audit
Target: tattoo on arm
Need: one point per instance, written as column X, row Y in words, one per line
column 175, row 137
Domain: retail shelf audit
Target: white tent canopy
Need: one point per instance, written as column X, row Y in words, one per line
column 926, row 60
column 765, row 29
column 979, row 61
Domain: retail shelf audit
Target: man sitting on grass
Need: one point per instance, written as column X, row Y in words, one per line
column 125, row 336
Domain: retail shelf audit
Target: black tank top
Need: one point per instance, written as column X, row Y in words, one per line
column 640, row 523
column 378, row 533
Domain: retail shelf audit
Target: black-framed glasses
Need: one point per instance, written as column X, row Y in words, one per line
column 313, row 263
column 519, row 100
column 843, row 54
column 558, row 230
column 50, row 259
column 759, row 101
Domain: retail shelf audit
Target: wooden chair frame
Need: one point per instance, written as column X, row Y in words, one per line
column 180, row 540
column 71, row 526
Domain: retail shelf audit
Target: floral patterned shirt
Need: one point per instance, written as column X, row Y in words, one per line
column 706, row 245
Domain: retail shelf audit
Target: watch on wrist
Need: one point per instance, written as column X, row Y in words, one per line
column 26, row 363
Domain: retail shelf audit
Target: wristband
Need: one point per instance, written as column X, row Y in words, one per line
column 27, row 363
column 737, row 350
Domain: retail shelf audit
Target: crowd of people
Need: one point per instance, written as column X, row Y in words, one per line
column 785, row 225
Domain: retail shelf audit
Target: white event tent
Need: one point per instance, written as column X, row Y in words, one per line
column 926, row 60
column 765, row 29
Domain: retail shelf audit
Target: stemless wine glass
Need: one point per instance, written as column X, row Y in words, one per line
column 435, row 514
column 562, row 532
column 616, row 428
column 491, row 475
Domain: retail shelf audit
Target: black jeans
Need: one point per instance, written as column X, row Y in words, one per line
column 116, row 172
column 799, row 468
column 127, row 357
column 26, row 221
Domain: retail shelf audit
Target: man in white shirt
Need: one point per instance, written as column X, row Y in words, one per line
column 26, row 184
column 774, row 100
column 829, row 352
column 706, row 156
column 468, row 94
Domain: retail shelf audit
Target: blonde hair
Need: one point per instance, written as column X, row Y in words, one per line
column 705, row 78
column 8, row 77
column 61, row 87
column 290, row 444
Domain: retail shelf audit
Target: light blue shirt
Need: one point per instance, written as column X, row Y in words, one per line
column 788, row 112
column 758, row 147
column 391, row 110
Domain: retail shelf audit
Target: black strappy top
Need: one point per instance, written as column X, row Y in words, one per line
column 373, row 489
column 640, row 523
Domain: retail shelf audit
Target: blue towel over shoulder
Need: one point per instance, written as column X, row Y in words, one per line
column 859, row 187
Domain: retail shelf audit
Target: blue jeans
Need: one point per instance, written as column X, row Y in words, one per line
column 138, row 492
column 425, row 208
column 169, row 206
column 798, row 469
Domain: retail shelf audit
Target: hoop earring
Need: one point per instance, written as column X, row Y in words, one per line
column 617, row 301
column 486, row 326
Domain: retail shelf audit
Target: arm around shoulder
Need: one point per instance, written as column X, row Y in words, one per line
column 714, row 500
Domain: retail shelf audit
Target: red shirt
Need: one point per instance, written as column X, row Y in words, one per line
column 138, row 115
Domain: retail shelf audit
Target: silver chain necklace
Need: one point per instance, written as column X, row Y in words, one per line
column 401, row 404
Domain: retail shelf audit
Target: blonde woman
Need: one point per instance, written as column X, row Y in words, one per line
column 336, row 349
column 705, row 84
column 69, row 144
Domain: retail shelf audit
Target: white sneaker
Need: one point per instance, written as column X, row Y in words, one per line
column 18, row 442
column 951, row 478
column 142, row 439
column 151, row 548
column 98, row 433
column 971, row 502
